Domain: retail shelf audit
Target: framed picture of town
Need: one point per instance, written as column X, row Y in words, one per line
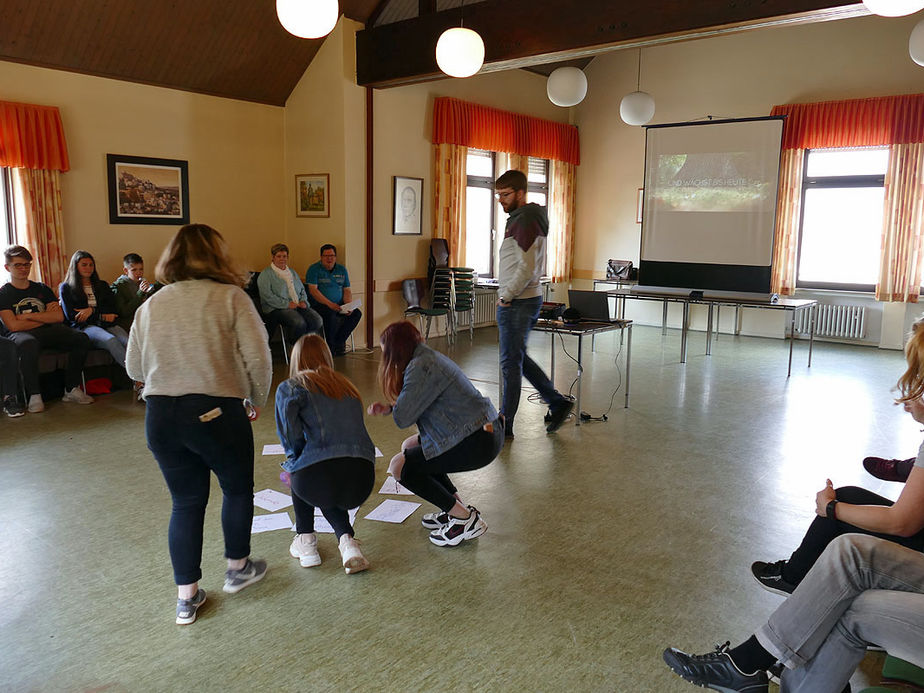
column 312, row 195
column 143, row 190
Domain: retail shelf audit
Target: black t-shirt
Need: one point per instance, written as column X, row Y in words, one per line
column 35, row 299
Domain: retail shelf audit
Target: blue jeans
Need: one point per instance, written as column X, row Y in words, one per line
column 863, row 590
column 187, row 448
column 297, row 322
column 111, row 338
column 514, row 323
column 9, row 367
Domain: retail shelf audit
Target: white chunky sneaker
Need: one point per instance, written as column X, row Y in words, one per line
column 305, row 548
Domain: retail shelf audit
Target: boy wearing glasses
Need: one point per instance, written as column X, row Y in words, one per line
column 33, row 318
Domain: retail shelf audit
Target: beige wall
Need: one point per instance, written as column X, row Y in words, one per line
column 740, row 75
column 233, row 149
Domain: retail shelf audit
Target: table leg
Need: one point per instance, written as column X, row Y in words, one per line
column 664, row 319
column 737, row 321
column 683, row 332
column 628, row 361
column 792, row 338
column 718, row 320
column 813, row 315
column 709, row 332
column 580, row 373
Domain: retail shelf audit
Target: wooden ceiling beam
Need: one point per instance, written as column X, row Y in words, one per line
column 520, row 33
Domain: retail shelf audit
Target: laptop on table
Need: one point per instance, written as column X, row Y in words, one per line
column 594, row 306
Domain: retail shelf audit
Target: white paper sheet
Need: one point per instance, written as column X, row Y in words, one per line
column 267, row 523
column 273, row 450
column 323, row 526
column 379, row 453
column 271, row 500
column 394, row 511
column 392, row 487
column 351, row 306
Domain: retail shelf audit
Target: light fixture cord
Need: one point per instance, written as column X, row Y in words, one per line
column 638, row 81
column 462, row 15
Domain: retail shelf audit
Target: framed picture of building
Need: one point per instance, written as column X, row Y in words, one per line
column 312, row 195
column 144, row 190
column 406, row 196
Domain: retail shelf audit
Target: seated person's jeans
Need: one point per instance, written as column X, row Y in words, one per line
column 297, row 322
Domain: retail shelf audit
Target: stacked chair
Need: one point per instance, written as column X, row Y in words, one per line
column 898, row 672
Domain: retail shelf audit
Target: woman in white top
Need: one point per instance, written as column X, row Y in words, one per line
column 200, row 349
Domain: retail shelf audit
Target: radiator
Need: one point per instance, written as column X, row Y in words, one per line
column 833, row 320
column 485, row 307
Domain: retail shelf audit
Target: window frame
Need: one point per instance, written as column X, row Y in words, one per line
column 826, row 182
column 7, row 219
column 486, row 182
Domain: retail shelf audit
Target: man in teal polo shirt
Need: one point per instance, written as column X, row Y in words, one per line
column 328, row 289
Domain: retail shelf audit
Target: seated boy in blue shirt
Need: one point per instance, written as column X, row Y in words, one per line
column 328, row 289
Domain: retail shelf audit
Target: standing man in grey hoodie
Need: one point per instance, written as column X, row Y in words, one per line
column 519, row 298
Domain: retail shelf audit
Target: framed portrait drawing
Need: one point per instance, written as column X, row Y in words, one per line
column 312, row 195
column 143, row 190
column 407, row 196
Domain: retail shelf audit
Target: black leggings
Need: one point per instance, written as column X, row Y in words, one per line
column 822, row 531
column 429, row 478
column 334, row 486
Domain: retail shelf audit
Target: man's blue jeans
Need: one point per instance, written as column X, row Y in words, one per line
column 514, row 323
column 863, row 590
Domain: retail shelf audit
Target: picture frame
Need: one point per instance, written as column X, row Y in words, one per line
column 312, row 195
column 407, row 203
column 147, row 190
column 638, row 212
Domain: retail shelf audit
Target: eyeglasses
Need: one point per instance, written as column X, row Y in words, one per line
column 504, row 195
column 21, row 265
column 329, row 255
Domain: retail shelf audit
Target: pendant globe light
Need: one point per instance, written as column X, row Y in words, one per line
column 916, row 43
column 308, row 18
column 460, row 51
column 638, row 107
column 893, row 8
column 567, row 86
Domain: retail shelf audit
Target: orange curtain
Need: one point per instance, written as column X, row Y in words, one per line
column 449, row 198
column 39, row 222
column 902, row 219
column 482, row 127
column 788, row 214
column 32, row 137
column 561, row 224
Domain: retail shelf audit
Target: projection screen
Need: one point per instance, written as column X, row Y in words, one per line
column 709, row 204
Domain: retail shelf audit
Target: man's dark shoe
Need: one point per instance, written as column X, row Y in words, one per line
column 560, row 414
column 888, row 470
column 770, row 577
column 715, row 670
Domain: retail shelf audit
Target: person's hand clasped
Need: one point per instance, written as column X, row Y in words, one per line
column 84, row 314
column 379, row 409
column 823, row 497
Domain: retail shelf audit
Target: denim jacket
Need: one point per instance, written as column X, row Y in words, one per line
column 313, row 427
column 441, row 400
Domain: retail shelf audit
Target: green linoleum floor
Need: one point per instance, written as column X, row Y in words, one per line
column 606, row 542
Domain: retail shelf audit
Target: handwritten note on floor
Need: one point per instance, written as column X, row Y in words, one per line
column 271, row 500
column 392, row 487
column 394, row 511
column 267, row 523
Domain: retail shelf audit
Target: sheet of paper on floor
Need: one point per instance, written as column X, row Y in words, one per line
column 276, row 449
column 392, row 487
column 267, row 523
column 321, row 525
column 271, row 500
column 393, row 511
column 379, row 453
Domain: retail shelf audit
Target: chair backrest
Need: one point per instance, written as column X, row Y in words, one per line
column 413, row 291
column 439, row 257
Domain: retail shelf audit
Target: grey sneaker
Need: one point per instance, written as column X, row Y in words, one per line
column 236, row 580
column 186, row 608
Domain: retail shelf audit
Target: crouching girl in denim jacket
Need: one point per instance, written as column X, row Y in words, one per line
column 459, row 429
column 329, row 455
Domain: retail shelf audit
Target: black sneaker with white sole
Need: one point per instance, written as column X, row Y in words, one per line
column 770, row 577
column 458, row 530
column 716, row 670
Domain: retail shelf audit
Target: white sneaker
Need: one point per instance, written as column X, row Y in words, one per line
column 77, row 395
column 36, row 405
column 305, row 548
column 353, row 559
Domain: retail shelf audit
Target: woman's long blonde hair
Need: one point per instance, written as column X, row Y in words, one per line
column 312, row 367
column 911, row 384
column 198, row 251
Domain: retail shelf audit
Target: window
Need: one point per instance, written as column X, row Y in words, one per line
column 7, row 229
column 841, row 229
column 482, row 211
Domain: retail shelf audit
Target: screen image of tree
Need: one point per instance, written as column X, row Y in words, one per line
column 710, row 204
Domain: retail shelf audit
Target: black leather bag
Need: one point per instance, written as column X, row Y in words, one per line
column 618, row 269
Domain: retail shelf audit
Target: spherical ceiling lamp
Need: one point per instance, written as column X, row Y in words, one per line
column 637, row 108
column 567, row 86
column 308, row 18
column 893, row 8
column 916, row 43
column 460, row 52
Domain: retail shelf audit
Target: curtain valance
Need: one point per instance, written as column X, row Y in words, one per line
column 32, row 137
column 482, row 127
column 877, row 121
